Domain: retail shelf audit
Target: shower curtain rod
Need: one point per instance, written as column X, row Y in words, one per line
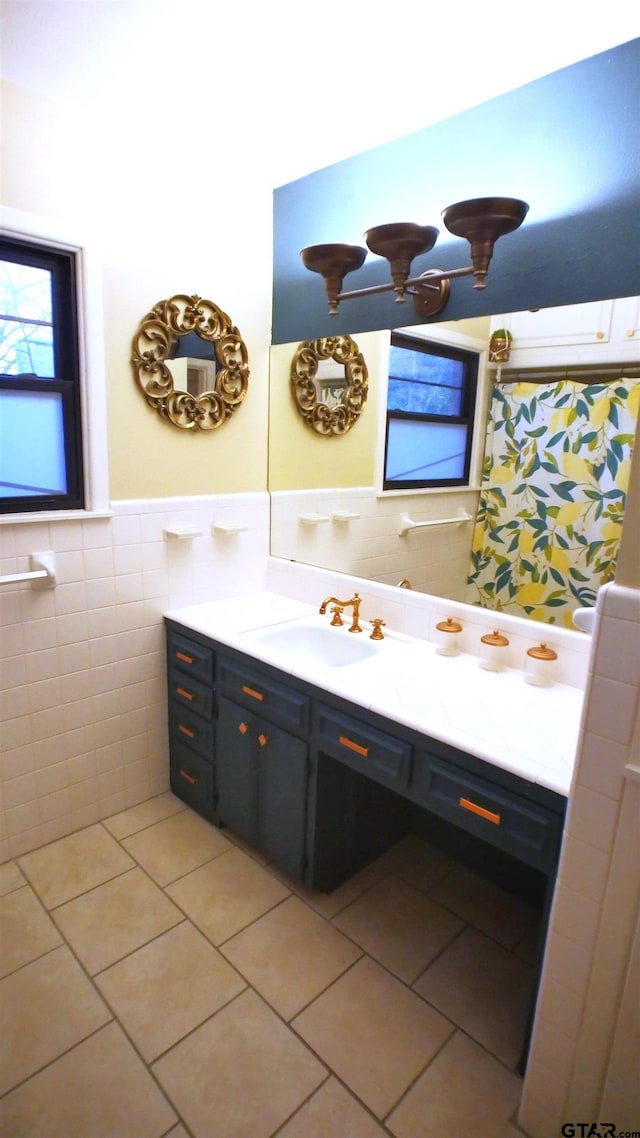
column 580, row 373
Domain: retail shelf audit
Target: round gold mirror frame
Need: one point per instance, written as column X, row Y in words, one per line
column 156, row 339
column 348, row 390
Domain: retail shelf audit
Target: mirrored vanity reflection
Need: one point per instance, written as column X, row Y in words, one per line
column 550, row 450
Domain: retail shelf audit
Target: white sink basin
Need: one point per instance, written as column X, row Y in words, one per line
column 310, row 643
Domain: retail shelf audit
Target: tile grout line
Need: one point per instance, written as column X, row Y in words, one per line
column 186, row 919
column 114, row 1017
column 363, row 954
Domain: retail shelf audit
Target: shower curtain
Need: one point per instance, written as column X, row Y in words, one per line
column 555, row 477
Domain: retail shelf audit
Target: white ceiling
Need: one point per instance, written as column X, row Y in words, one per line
column 325, row 81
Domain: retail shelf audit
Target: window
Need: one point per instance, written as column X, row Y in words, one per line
column 52, row 381
column 40, row 415
column 430, row 414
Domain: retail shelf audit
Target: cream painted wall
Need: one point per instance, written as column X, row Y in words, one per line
column 162, row 224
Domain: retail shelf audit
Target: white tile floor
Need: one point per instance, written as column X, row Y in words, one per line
column 159, row 980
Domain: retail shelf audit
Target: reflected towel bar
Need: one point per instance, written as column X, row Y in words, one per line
column 43, row 570
column 228, row 527
column 407, row 523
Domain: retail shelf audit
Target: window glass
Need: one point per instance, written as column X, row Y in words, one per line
column 26, row 324
column 420, row 450
column 28, row 471
column 430, row 408
column 425, row 383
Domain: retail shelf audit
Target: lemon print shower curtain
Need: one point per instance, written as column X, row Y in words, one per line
column 555, row 477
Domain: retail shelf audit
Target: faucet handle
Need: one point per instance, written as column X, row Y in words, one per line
column 337, row 611
column 377, row 633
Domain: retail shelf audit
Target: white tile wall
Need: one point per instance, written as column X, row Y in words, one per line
column 82, row 668
column 598, row 892
column 435, row 559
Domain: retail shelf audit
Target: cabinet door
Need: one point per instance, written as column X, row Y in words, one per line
column 236, row 771
column 569, row 325
column 262, row 785
column 282, row 796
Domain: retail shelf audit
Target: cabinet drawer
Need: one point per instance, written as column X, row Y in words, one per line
column 190, row 657
column 364, row 748
column 190, row 693
column 191, row 730
column 192, row 780
column 258, row 692
column 506, row 820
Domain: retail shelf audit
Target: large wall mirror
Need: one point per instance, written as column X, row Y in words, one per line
column 330, row 484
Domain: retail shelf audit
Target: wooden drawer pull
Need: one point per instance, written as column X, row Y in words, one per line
column 475, row 809
column 183, row 656
column 252, row 692
column 263, row 740
column 189, row 778
column 185, row 694
column 186, row 731
column 353, row 746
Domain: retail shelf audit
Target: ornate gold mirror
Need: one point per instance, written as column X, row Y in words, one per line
column 207, row 353
column 329, row 383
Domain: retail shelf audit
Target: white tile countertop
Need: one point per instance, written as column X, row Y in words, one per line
column 527, row 730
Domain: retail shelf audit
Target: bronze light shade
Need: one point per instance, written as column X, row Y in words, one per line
column 333, row 262
column 482, row 221
column 399, row 243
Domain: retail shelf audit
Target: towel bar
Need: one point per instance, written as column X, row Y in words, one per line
column 407, row 523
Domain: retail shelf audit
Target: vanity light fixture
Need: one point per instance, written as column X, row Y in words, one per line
column 481, row 220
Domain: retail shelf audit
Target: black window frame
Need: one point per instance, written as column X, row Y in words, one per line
column 471, row 361
column 61, row 263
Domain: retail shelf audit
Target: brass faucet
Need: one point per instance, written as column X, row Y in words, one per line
column 353, row 603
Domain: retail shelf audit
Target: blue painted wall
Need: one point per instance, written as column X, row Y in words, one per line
column 568, row 143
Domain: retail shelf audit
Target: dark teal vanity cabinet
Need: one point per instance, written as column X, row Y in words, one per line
column 321, row 785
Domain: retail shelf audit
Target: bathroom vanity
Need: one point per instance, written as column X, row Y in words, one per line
column 319, row 748
column 298, row 771
column 322, row 748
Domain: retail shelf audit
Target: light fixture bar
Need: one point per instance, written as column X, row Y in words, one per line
column 481, row 220
column 426, row 280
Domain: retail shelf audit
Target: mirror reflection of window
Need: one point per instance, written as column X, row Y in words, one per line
column 430, row 410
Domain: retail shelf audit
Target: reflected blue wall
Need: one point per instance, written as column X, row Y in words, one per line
column 568, row 143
